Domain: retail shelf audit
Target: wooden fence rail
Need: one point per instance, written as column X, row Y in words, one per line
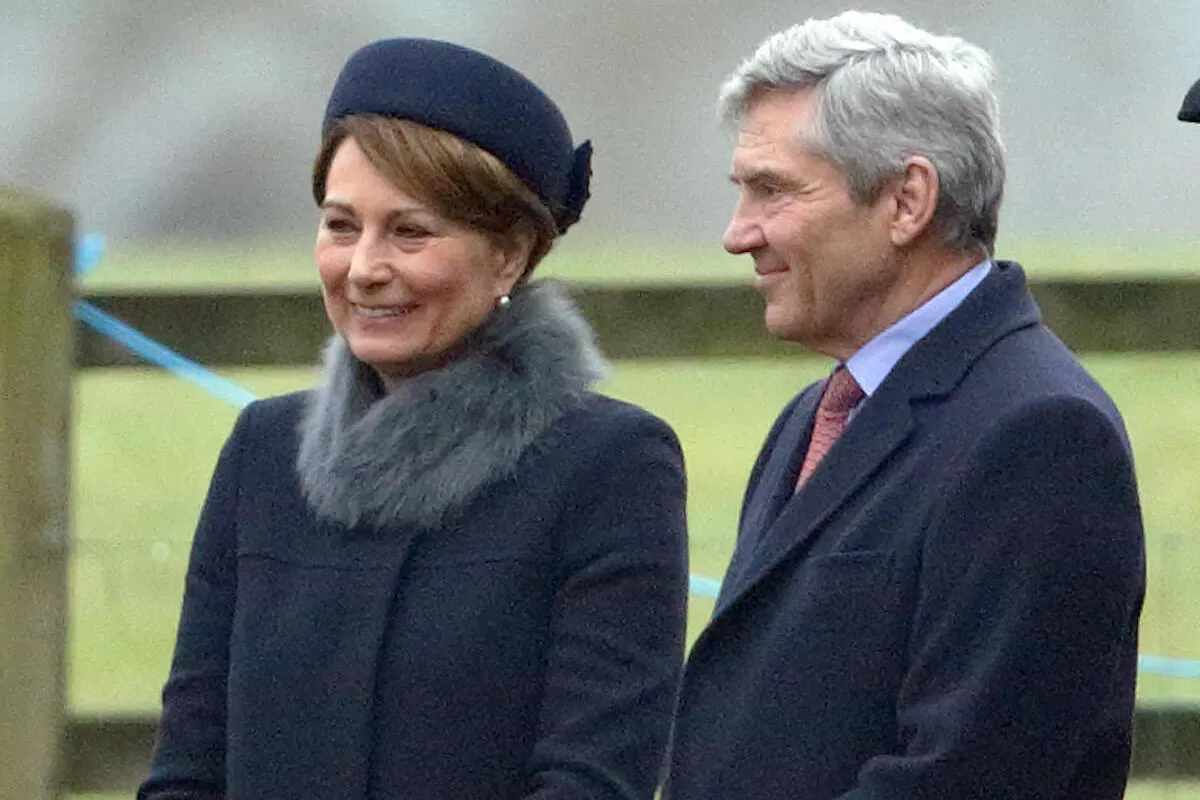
column 278, row 327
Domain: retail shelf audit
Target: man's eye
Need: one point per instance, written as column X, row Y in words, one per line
column 339, row 225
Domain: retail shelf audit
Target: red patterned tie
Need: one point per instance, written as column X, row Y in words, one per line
column 842, row 393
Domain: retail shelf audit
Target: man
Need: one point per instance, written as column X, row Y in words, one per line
column 942, row 601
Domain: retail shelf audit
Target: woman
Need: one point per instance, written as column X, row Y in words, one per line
column 451, row 571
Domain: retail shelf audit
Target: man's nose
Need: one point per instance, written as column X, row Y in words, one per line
column 744, row 233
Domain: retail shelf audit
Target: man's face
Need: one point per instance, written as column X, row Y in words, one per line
column 824, row 264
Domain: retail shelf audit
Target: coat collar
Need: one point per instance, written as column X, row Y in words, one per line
column 420, row 453
column 782, row 523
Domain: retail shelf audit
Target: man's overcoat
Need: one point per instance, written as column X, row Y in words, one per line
column 948, row 608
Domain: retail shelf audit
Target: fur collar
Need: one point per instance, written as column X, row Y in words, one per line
column 418, row 454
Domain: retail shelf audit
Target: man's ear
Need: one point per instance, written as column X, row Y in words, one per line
column 915, row 192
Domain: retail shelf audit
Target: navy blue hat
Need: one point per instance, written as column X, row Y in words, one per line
column 474, row 97
column 1190, row 110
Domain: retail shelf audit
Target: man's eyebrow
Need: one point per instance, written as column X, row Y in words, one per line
column 757, row 177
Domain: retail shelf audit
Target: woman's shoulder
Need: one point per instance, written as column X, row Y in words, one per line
column 270, row 411
column 270, row 422
column 621, row 461
column 604, row 431
column 605, row 417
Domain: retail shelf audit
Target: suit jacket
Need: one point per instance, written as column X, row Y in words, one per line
column 948, row 608
column 530, row 647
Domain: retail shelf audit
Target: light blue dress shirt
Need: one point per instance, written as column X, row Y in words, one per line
column 875, row 359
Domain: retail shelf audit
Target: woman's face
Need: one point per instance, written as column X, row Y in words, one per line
column 401, row 284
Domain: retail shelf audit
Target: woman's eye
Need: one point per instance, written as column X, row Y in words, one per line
column 411, row 232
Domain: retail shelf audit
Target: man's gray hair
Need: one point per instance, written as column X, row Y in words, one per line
column 886, row 91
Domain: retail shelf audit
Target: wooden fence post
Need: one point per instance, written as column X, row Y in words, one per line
column 35, row 388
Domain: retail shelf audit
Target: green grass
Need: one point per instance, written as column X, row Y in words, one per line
column 145, row 444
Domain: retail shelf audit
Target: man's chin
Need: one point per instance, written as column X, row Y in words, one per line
column 785, row 330
column 797, row 334
column 779, row 323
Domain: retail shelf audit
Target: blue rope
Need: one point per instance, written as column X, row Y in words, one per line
column 1148, row 664
column 1169, row 667
column 704, row 586
column 88, row 250
column 162, row 356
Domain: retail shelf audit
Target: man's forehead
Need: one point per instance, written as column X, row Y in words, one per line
column 756, row 156
column 754, row 134
column 777, row 115
column 770, row 147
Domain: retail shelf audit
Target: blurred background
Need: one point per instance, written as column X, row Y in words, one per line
column 198, row 122
column 184, row 134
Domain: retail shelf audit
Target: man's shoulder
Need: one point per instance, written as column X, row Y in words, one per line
column 1036, row 363
column 1027, row 370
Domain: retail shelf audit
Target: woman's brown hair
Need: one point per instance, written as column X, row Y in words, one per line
column 456, row 179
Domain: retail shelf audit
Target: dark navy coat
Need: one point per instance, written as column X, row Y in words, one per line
column 530, row 648
column 948, row 609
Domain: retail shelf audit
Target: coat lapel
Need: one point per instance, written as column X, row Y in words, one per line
column 874, row 434
column 999, row 306
column 775, row 488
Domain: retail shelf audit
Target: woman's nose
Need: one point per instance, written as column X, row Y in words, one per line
column 370, row 264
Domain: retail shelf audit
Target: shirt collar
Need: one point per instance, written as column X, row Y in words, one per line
column 874, row 360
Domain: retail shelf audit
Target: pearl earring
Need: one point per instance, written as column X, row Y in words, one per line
column 503, row 301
